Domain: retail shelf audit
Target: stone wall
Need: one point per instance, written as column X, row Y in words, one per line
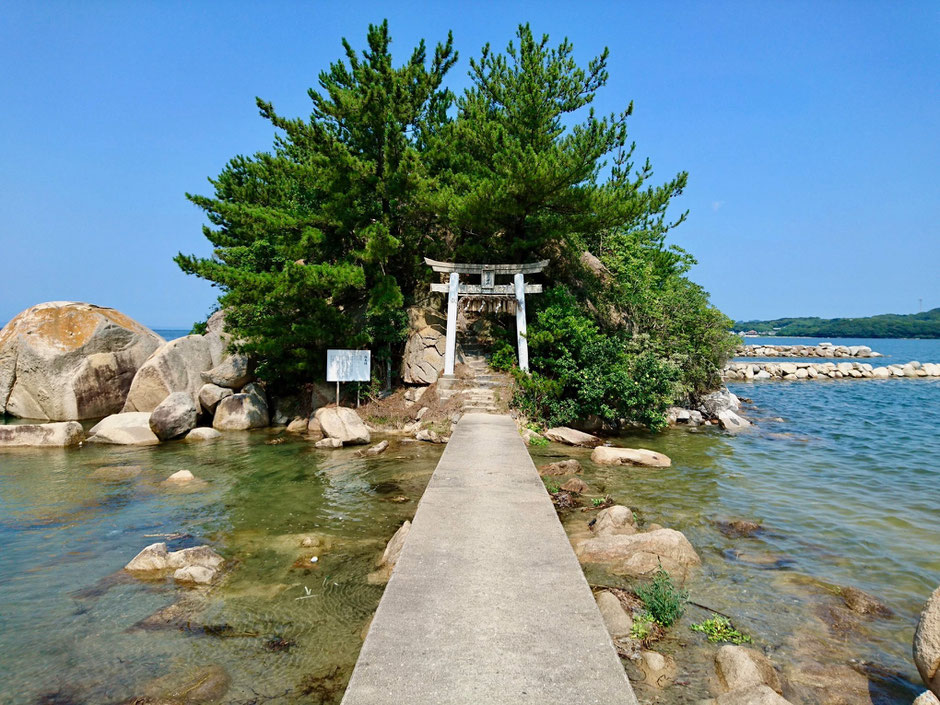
column 750, row 371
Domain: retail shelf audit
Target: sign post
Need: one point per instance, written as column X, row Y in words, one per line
column 348, row 366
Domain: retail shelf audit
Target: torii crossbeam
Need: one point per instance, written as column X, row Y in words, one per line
column 486, row 288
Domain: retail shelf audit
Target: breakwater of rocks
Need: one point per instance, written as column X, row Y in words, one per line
column 750, row 371
column 821, row 350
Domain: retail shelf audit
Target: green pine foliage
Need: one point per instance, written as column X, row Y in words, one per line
column 320, row 242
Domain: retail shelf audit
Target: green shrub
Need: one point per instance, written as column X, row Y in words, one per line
column 552, row 487
column 503, row 358
column 721, row 629
column 643, row 627
column 662, row 599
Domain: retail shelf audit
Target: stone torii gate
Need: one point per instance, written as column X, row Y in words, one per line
column 487, row 288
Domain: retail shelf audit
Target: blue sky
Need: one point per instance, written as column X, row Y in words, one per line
column 809, row 130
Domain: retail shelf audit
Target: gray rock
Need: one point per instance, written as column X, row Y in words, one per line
column 618, row 622
column 721, row 400
column 216, row 338
column 731, row 422
column 575, row 485
column 174, row 416
column 927, row 643
column 234, row 372
column 196, row 556
column 176, row 366
column 66, row 360
column 343, row 424
column 210, row 395
column 131, row 428
column 390, row 556
column 329, row 443
column 243, row 411
column 572, row 437
column 298, row 425
column 202, row 434
column 378, row 448
column 658, row 669
column 61, row 433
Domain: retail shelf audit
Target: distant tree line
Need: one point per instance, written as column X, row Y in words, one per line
column 888, row 325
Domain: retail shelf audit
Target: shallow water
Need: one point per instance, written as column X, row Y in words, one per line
column 67, row 627
column 843, row 476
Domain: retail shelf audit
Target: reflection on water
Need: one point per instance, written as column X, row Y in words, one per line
column 846, row 483
column 73, row 628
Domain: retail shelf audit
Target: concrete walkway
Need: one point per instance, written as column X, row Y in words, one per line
column 488, row 603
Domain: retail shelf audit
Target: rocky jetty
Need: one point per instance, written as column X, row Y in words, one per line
column 754, row 371
column 821, row 350
column 66, row 360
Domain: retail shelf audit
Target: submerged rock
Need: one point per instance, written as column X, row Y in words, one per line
column 378, row 448
column 863, row 603
column 927, row 643
column 204, row 685
column 615, row 617
column 202, row 434
column 607, row 455
column 343, row 424
column 194, row 574
column 60, row 434
column 66, row 360
column 561, row 467
column 329, row 443
column 757, row 695
column 739, row 667
column 731, row 422
column 575, row 485
column 116, row 473
column 739, row 528
column 153, row 557
column 174, row 416
column 571, row 437
column 659, row 670
column 124, row 429
column 642, row 554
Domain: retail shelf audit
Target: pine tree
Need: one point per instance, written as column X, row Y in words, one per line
column 317, row 242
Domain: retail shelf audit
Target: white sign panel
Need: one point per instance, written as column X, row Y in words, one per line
column 348, row 365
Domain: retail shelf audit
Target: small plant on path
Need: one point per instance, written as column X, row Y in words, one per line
column 662, row 599
column 721, row 629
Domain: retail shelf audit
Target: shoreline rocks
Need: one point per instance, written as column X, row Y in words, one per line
column 174, row 416
column 198, row 564
column 798, row 371
column 821, row 350
column 343, row 424
column 571, row 437
column 132, row 428
column 926, row 648
column 642, row 554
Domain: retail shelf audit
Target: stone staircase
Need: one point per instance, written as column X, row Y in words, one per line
column 483, row 391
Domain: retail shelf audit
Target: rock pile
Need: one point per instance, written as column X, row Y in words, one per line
column 751, row 371
column 821, row 350
column 198, row 564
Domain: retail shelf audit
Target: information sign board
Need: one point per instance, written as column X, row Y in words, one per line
column 348, row 365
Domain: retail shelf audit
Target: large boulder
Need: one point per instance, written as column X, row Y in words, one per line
column 66, row 360
column 132, row 428
column 174, row 416
column 739, row 667
column 62, row 433
column 243, row 411
column 571, row 437
column 562, row 467
column 342, row 424
column 234, row 372
column 642, row 554
column 731, row 422
column 423, row 359
column 927, row 643
column 216, row 337
column 386, row 564
column 606, row 455
column 176, row 366
column 758, row 695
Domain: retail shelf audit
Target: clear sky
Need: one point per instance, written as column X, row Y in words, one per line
column 810, row 131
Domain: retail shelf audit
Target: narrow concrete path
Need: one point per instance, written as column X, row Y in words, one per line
column 488, row 603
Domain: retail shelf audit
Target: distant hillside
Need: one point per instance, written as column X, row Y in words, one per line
column 888, row 325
